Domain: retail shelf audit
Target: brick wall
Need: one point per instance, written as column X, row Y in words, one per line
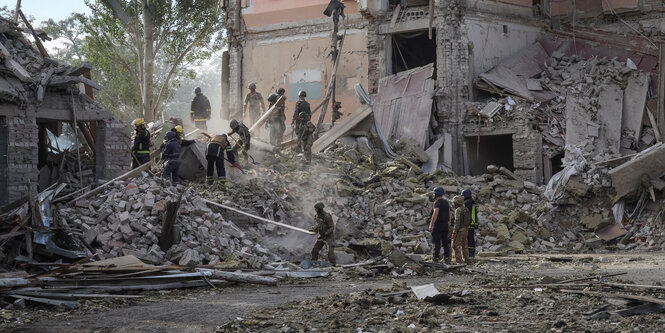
column 114, row 159
column 452, row 73
column 22, row 133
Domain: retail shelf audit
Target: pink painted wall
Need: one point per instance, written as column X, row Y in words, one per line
column 264, row 12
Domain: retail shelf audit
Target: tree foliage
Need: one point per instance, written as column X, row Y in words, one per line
column 70, row 32
column 144, row 48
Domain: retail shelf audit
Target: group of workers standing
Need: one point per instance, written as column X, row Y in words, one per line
column 456, row 225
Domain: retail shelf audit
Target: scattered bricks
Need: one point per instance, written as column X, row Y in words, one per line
column 123, row 217
column 131, row 189
column 82, row 203
column 125, row 229
column 188, row 258
column 270, row 227
column 122, row 205
column 159, row 207
column 90, row 235
column 344, row 258
column 139, row 227
column 149, row 201
column 104, row 238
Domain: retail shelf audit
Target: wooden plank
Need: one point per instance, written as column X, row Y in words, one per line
column 341, row 128
column 40, row 46
column 67, row 304
column 627, row 177
column 240, row 277
column 60, row 80
column 654, row 125
column 613, row 295
column 265, row 116
column 393, row 19
column 128, row 174
column 661, row 90
column 259, row 217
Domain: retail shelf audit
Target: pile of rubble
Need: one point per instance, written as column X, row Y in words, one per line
column 127, row 220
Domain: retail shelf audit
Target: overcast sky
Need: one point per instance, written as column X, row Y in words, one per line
column 43, row 10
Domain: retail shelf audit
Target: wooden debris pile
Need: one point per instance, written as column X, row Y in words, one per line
column 63, row 284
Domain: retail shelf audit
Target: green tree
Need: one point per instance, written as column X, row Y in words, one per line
column 143, row 48
column 70, row 30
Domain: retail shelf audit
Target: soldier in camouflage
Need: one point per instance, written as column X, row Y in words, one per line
column 326, row 230
column 305, row 130
column 253, row 101
column 277, row 119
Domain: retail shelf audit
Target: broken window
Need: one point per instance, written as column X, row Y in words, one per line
column 412, row 49
column 489, row 150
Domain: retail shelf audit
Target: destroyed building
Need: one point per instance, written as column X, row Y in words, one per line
column 502, row 82
column 40, row 100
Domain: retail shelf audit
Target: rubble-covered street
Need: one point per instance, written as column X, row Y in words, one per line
column 297, row 166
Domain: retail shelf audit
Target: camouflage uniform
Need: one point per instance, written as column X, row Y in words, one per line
column 277, row 125
column 460, row 232
column 326, row 229
column 254, row 101
column 305, row 130
column 243, row 141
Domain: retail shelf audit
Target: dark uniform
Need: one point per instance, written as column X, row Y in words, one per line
column 305, row 130
column 277, row 123
column 302, row 106
column 200, row 111
column 141, row 148
column 460, row 231
column 254, row 101
column 326, row 230
column 215, row 157
column 470, row 204
column 440, row 230
column 171, row 155
column 244, row 140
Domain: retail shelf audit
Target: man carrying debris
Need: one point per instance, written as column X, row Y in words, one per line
column 305, row 132
column 171, row 155
column 438, row 225
column 244, row 140
column 215, row 157
column 254, row 101
column 470, row 204
column 277, row 119
column 326, row 229
column 460, row 231
column 141, row 147
column 200, row 110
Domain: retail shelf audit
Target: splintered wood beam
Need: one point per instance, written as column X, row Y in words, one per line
column 40, row 46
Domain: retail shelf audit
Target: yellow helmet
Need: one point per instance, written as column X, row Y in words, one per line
column 178, row 129
column 138, row 122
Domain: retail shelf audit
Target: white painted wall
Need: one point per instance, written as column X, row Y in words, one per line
column 491, row 44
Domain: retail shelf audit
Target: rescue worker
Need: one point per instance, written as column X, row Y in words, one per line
column 438, row 225
column 215, row 157
column 253, row 101
column 305, row 132
column 200, row 110
column 460, row 231
column 141, row 146
column 171, row 155
column 470, row 204
column 179, row 136
column 277, row 119
column 301, row 106
column 325, row 227
column 244, row 139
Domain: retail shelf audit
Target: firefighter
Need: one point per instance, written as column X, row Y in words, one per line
column 141, row 147
column 217, row 146
column 200, row 110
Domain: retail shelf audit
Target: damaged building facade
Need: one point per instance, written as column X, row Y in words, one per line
column 40, row 101
column 508, row 83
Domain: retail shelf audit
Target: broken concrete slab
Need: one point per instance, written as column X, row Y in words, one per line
column 609, row 114
column 634, row 103
column 627, row 177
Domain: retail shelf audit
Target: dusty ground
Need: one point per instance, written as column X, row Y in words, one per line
column 347, row 303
